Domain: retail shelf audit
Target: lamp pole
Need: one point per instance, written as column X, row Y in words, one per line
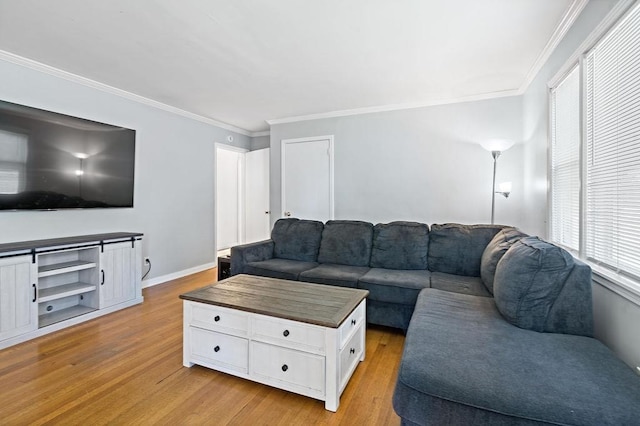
column 495, row 155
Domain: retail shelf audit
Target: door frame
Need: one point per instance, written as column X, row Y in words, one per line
column 240, row 190
column 283, row 145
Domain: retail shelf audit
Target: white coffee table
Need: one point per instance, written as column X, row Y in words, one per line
column 300, row 337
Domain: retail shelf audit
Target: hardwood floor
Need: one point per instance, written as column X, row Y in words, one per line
column 126, row 368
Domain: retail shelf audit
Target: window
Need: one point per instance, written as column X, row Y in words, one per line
column 565, row 161
column 604, row 228
column 613, row 148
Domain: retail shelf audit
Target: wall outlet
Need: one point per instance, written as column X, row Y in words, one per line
column 146, row 260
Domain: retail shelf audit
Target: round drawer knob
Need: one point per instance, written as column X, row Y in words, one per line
column 216, row 318
column 285, row 334
column 285, row 367
column 353, row 322
column 352, row 350
column 216, row 349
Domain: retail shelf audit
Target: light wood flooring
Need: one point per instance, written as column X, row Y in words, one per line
column 126, row 368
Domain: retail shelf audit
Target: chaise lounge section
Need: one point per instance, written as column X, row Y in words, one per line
column 523, row 357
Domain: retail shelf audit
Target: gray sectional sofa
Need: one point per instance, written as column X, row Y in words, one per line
column 394, row 261
column 499, row 324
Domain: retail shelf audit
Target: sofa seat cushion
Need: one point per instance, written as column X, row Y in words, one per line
column 459, row 284
column 464, row 364
column 400, row 245
column 529, row 279
column 346, row 242
column 340, row 275
column 279, row 268
column 457, row 249
column 494, row 251
column 296, row 239
column 394, row 286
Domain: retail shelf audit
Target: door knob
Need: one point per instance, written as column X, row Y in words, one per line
column 287, row 214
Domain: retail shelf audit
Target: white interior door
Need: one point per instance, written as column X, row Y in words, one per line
column 257, row 222
column 229, row 196
column 307, row 178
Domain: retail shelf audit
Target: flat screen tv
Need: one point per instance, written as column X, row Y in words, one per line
column 51, row 161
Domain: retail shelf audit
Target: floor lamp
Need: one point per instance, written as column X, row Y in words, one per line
column 505, row 188
column 495, row 155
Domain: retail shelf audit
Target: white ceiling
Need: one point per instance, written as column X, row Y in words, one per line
column 243, row 62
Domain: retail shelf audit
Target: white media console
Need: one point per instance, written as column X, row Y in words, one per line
column 47, row 285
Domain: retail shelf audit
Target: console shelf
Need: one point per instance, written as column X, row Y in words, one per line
column 64, row 314
column 71, row 289
column 64, row 267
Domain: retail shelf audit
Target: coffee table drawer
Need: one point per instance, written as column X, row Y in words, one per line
column 218, row 318
column 350, row 356
column 220, row 349
column 288, row 368
column 291, row 334
column 352, row 323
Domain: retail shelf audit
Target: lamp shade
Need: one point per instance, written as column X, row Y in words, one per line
column 497, row 144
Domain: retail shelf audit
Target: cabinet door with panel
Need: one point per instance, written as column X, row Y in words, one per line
column 118, row 281
column 18, row 296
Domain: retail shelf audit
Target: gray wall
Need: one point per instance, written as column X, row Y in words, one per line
column 422, row 164
column 260, row 142
column 174, row 187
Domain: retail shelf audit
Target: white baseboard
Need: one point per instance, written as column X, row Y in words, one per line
column 164, row 278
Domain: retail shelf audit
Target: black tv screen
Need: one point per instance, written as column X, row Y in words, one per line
column 51, row 161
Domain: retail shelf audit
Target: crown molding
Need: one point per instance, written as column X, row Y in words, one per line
column 395, row 107
column 56, row 72
column 561, row 30
column 263, row 133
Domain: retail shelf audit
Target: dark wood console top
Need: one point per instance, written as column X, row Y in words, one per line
column 318, row 304
column 81, row 239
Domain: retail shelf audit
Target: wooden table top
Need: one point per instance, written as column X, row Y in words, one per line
column 318, row 304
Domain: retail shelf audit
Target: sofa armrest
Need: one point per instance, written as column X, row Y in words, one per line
column 246, row 253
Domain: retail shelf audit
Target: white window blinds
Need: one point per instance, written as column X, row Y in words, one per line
column 565, row 161
column 612, row 228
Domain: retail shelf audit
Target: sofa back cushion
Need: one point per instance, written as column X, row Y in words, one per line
column 572, row 312
column 529, row 278
column 346, row 242
column 457, row 249
column 400, row 245
column 496, row 248
column 296, row 239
